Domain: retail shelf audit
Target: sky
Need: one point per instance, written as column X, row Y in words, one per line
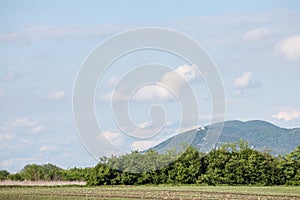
column 254, row 44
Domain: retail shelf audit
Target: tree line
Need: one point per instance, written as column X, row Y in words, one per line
column 47, row 172
column 231, row 164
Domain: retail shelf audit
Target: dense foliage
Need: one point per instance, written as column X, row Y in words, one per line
column 232, row 164
column 50, row 172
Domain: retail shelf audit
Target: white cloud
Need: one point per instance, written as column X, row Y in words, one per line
column 287, row 115
column 171, row 83
column 24, row 122
column 243, row 81
column 204, row 117
column 256, row 34
column 116, row 138
column 28, row 124
column 244, row 85
column 187, row 71
column 289, row 47
column 152, row 92
column 6, row 136
column 37, row 129
column 144, row 145
column 47, row 148
column 145, row 124
column 57, row 95
column 176, row 80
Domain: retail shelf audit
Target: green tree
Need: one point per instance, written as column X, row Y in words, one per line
column 51, row 172
column 32, row 172
column 215, row 166
column 15, row 177
column 3, row 174
column 187, row 167
column 291, row 167
column 101, row 174
column 77, row 174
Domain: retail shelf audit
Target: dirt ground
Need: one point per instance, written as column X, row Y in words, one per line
column 149, row 192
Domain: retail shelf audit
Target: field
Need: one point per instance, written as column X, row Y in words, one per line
column 148, row 192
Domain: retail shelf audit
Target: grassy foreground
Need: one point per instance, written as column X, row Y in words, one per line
column 149, row 192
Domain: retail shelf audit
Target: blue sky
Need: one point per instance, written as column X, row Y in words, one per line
column 255, row 44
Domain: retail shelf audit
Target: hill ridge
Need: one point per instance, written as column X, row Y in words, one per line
column 260, row 134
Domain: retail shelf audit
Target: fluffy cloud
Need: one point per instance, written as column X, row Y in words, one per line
column 47, row 148
column 244, row 85
column 24, row 122
column 57, row 95
column 256, row 34
column 152, row 92
column 176, row 80
column 187, row 71
column 147, row 124
column 171, row 83
column 288, row 115
column 115, row 138
column 144, row 124
column 243, row 81
column 289, row 47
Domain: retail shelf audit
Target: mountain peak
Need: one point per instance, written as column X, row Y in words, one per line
column 251, row 124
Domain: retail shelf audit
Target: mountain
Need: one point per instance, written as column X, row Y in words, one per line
column 261, row 135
